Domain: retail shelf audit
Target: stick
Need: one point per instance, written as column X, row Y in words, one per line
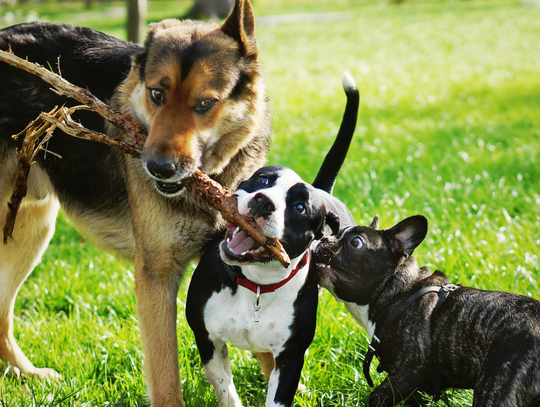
column 200, row 185
column 130, row 128
column 26, row 156
column 204, row 188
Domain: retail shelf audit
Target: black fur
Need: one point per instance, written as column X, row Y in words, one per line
column 86, row 56
column 488, row 341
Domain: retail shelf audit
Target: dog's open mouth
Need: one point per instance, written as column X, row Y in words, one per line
column 168, row 188
column 240, row 248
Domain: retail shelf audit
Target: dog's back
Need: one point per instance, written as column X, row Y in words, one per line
column 82, row 174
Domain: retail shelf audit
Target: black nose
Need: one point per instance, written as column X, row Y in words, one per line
column 261, row 206
column 161, row 167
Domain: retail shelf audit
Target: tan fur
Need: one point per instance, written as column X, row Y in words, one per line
column 161, row 234
column 33, row 230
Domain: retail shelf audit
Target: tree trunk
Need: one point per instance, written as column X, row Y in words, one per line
column 136, row 22
column 210, row 9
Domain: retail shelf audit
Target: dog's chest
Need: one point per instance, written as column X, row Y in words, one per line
column 231, row 318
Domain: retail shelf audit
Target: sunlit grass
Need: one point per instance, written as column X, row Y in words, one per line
column 449, row 127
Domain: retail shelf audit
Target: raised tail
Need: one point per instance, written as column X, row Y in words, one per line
column 326, row 178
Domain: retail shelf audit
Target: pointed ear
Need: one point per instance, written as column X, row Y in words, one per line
column 240, row 25
column 408, row 234
column 375, row 223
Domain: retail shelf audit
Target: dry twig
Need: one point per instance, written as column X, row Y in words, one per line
column 200, row 185
column 206, row 189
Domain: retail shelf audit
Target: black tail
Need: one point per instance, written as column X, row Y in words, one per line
column 326, row 178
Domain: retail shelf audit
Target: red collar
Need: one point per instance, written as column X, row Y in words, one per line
column 269, row 288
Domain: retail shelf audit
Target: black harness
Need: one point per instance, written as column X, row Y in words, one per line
column 443, row 292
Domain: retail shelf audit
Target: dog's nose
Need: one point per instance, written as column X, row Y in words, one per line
column 261, row 206
column 161, row 167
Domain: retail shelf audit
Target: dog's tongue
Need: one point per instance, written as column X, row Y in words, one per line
column 241, row 243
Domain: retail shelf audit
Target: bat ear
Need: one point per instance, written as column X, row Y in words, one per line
column 375, row 223
column 408, row 234
column 240, row 25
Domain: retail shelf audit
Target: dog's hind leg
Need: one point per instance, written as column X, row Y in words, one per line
column 34, row 228
column 267, row 362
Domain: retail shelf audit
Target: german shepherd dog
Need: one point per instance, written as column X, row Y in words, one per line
column 198, row 91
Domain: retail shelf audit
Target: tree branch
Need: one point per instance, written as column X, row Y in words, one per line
column 200, row 185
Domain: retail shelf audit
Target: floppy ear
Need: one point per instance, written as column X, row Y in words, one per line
column 240, row 25
column 320, row 229
column 333, row 221
column 408, row 234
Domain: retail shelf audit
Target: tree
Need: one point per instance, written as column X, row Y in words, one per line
column 211, row 9
column 136, row 22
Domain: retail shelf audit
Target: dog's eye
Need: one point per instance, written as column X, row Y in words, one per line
column 205, row 105
column 357, row 243
column 300, row 208
column 157, row 96
column 263, row 180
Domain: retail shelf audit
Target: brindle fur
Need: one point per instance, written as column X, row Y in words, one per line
column 115, row 199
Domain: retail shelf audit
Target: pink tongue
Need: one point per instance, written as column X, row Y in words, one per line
column 241, row 243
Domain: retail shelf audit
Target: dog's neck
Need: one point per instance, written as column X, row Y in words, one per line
column 273, row 272
column 405, row 275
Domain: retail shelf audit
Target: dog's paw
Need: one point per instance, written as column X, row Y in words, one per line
column 45, row 374
column 41, row 374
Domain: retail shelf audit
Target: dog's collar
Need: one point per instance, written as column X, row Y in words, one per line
column 443, row 291
column 268, row 288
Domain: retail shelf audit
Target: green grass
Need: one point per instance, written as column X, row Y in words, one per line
column 449, row 127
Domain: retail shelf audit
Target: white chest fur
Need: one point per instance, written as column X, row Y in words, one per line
column 230, row 317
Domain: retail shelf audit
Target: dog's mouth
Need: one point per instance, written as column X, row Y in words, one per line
column 239, row 248
column 169, row 188
column 327, row 274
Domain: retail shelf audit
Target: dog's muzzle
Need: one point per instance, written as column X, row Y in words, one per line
column 165, row 172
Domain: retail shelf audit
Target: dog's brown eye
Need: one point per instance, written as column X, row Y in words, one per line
column 156, row 95
column 205, row 105
column 357, row 242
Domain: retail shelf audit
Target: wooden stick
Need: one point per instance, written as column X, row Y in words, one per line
column 200, row 185
column 68, row 126
column 205, row 189
column 130, row 128
column 26, row 156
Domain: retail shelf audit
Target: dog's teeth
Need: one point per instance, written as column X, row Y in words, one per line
column 236, row 231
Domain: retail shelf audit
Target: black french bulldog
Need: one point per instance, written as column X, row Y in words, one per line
column 428, row 334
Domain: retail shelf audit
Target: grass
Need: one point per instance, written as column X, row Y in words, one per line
column 449, row 127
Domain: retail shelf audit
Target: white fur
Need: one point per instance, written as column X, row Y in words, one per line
column 229, row 318
column 360, row 313
column 274, row 225
column 347, row 81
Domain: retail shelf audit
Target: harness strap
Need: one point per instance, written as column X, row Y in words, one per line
column 379, row 333
column 268, row 288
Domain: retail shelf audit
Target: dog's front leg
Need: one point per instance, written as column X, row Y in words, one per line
column 218, row 372
column 392, row 391
column 284, row 379
column 156, row 289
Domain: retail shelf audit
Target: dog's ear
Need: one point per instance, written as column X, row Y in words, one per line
column 408, row 234
column 375, row 223
column 333, row 221
column 240, row 25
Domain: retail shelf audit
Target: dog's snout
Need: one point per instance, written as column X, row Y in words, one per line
column 261, row 206
column 326, row 249
column 161, row 167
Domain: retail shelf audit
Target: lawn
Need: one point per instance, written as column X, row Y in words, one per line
column 449, row 127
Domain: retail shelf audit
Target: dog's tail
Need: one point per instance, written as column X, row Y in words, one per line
column 326, row 178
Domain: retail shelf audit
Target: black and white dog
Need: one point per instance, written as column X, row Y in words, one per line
column 428, row 334
column 250, row 300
